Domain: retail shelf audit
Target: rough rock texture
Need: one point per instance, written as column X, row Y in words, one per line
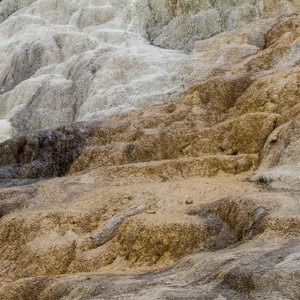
column 49, row 153
column 193, row 198
column 71, row 61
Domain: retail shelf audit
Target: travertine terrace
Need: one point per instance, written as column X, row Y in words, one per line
column 149, row 149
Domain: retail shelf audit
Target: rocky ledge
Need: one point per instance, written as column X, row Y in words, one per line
column 194, row 196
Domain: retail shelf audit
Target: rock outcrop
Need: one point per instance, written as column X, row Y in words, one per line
column 65, row 62
column 181, row 180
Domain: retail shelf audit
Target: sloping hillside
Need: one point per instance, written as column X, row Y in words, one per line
column 154, row 151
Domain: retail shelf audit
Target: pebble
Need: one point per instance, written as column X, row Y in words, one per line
column 189, row 201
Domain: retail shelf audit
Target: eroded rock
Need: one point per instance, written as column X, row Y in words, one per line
column 125, row 180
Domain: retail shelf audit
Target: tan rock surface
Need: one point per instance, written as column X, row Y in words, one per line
column 158, row 203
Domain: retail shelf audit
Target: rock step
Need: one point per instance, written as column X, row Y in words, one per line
column 165, row 170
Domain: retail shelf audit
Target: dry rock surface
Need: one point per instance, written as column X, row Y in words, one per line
column 150, row 149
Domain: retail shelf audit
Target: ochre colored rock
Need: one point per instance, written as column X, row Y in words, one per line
column 185, row 185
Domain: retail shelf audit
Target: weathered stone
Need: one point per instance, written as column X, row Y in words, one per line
column 119, row 200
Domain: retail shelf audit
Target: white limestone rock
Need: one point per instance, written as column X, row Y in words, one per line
column 6, row 130
column 88, row 59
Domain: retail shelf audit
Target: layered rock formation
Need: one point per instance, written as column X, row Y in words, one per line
column 192, row 192
column 64, row 62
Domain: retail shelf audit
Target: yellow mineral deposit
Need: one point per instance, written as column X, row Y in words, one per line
column 155, row 150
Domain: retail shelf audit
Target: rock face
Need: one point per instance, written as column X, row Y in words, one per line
column 76, row 61
column 182, row 179
column 47, row 154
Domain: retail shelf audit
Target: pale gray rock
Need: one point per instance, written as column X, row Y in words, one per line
column 8, row 7
column 114, row 56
